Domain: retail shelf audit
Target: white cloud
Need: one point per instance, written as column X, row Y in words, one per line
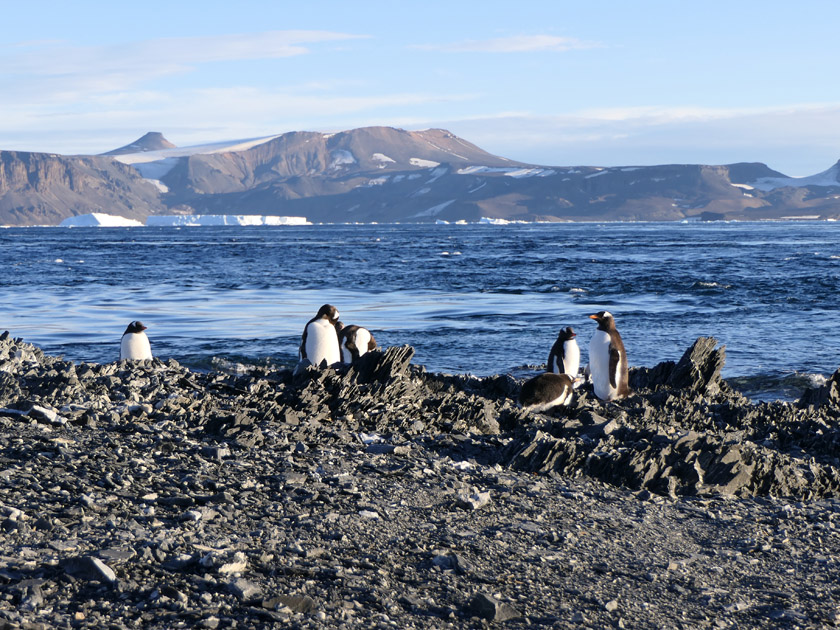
column 515, row 44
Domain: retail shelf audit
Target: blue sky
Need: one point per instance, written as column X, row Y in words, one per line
column 547, row 82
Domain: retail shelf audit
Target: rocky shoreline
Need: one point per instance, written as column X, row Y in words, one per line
column 382, row 496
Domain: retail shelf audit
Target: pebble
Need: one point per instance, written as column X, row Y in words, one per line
column 325, row 498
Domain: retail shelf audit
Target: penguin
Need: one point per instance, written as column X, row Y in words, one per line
column 135, row 344
column 545, row 391
column 564, row 357
column 608, row 359
column 354, row 342
column 319, row 342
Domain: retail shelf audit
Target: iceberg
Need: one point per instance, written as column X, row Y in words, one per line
column 99, row 219
column 189, row 220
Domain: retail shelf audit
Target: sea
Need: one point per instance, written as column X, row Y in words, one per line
column 478, row 299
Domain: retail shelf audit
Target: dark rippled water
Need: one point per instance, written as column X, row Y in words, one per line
column 482, row 299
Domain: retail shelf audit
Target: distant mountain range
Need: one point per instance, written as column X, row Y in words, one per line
column 388, row 175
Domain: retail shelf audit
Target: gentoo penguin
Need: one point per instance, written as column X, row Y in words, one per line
column 545, row 391
column 135, row 344
column 608, row 359
column 564, row 357
column 354, row 341
column 320, row 339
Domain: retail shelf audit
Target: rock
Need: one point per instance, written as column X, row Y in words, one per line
column 825, row 395
column 245, row 590
column 488, row 607
column 89, row 568
column 295, row 603
column 473, row 501
column 242, row 500
column 699, row 368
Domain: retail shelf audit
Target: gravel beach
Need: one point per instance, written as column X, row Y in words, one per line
column 144, row 494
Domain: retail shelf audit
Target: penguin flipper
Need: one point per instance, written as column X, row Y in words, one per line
column 302, row 349
column 615, row 357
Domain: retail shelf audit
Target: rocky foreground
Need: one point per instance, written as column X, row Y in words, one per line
column 380, row 496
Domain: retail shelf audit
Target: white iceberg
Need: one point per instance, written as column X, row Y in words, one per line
column 189, row 220
column 99, row 219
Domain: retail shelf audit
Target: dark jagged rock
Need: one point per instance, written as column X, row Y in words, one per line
column 827, row 395
column 376, row 495
column 699, row 368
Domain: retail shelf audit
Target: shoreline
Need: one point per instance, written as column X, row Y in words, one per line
column 380, row 495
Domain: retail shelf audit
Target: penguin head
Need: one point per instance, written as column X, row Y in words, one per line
column 566, row 334
column 605, row 320
column 135, row 327
column 328, row 311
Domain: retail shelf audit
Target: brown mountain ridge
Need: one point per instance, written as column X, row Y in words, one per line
column 390, row 175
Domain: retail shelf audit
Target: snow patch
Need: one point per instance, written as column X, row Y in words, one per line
column 531, row 172
column 436, row 174
column 159, row 185
column 198, row 149
column 381, row 157
column 340, row 158
column 423, row 163
column 831, row 177
column 598, row 174
column 379, row 181
column 472, row 170
column 156, row 169
column 99, row 219
column 435, row 209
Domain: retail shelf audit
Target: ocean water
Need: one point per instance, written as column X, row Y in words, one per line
column 480, row 299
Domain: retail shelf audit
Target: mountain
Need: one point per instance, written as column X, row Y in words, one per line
column 152, row 141
column 44, row 189
column 385, row 174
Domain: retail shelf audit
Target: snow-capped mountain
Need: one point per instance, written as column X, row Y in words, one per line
column 385, row 174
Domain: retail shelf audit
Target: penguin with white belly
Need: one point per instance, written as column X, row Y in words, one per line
column 564, row 357
column 354, row 342
column 608, row 360
column 319, row 343
column 546, row 391
column 134, row 344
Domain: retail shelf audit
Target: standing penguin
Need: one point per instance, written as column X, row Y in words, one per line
column 135, row 344
column 354, row 341
column 545, row 391
column 608, row 359
column 564, row 357
column 320, row 339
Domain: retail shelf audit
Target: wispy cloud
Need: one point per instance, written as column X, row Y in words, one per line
column 141, row 60
column 515, row 44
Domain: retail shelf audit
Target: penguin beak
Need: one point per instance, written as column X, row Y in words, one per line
column 595, row 317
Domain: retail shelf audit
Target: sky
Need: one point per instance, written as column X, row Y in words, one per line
column 548, row 82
